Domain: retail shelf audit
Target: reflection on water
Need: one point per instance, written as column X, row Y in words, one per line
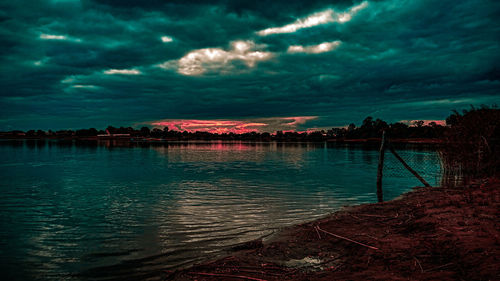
column 113, row 210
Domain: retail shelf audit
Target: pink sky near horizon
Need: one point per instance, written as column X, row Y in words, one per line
column 260, row 125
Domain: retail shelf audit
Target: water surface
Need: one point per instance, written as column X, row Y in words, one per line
column 86, row 211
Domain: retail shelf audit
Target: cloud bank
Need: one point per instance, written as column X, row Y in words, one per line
column 94, row 63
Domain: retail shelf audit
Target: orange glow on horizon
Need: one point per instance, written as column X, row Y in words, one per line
column 211, row 126
column 259, row 125
column 426, row 122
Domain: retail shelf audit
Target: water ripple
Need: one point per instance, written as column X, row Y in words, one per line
column 78, row 213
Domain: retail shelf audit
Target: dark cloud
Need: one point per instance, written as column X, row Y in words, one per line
column 397, row 60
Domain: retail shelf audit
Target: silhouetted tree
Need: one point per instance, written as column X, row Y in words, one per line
column 156, row 133
column 40, row 133
column 111, row 130
column 367, row 123
column 418, row 123
column 145, row 132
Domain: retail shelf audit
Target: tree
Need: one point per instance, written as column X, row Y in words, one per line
column 380, row 125
column 165, row 132
column 156, row 133
column 111, row 130
column 399, row 130
column 453, row 118
column 93, row 132
column 472, row 143
column 367, row 123
column 40, row 133
column 145, row 131
column 419, row 123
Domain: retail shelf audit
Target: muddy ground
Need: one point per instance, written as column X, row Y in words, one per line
column 427, row 234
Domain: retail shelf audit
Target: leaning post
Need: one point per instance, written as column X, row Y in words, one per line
column 380, row 169
column 421, row 179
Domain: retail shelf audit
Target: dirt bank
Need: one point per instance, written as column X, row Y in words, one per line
column 427, row 234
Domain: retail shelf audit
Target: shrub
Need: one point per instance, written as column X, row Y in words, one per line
column 471, row 144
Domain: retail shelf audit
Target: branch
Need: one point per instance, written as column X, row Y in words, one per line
column 347, row 239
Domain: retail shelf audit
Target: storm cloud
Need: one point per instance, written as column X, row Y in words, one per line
column 79, row 64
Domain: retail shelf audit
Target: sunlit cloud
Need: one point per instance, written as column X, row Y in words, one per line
column 92, row 87
column 216, row 59
column 69, row 79
column 319, row 18
column 44, row 36
column 314, row 49
column 166, row 39
column 75, row 82
column 40, row 62
column 122, row 71
column 53, row 37
column 270, row 124
column 298, row 120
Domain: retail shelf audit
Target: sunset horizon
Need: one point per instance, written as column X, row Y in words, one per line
column 261, row 140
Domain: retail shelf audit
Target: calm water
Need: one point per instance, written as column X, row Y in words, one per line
column 97, row 212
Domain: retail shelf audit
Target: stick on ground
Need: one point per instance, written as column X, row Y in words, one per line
column 319, row 235
column 347, row 239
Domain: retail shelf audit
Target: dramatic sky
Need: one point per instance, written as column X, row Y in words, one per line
column 243, row 66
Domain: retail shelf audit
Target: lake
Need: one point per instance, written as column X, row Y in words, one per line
column 80, row 211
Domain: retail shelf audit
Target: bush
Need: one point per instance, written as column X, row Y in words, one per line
column 471, row 144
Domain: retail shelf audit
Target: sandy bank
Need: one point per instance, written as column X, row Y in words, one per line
column 427, row 234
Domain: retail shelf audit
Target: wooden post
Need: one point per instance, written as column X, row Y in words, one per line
column 380, row 169
column 408, row 167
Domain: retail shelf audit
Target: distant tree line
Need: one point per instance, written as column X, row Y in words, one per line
column 370, row 128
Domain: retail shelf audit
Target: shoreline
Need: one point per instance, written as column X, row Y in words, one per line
column 417, row 141
column 425, row 234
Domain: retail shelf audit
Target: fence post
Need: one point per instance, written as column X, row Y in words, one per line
column 380, row 195
column 408, row 167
